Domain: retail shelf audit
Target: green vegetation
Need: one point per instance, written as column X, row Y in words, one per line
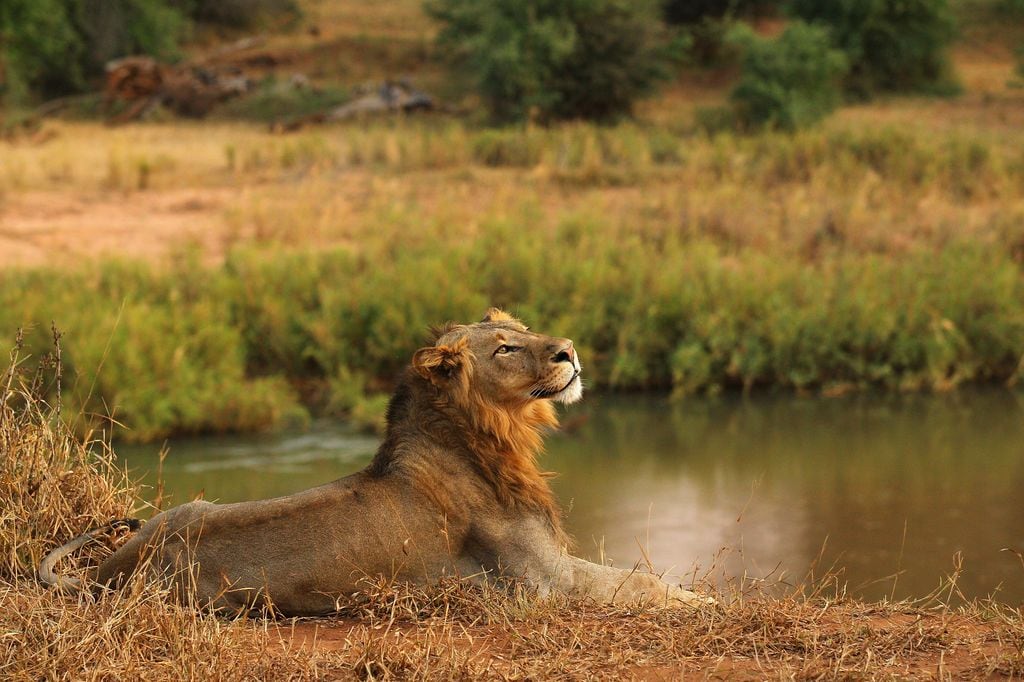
column 237, row 13
column 275, row 100
column 54, row 47
column 553, row 59
column 892, row 45
column 51, row 48
column 788, row 82
column 697, row 11
column 706, row 26
column 697, row 304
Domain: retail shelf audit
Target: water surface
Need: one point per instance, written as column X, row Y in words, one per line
column 872, row 485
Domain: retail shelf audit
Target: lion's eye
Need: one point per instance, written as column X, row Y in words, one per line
column 505, row 349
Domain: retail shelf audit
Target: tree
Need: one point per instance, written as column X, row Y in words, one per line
column 54, row 47
column 891, row 45
column 695, row 11
column 790, row 81
column 237, row 13
column 559, row 59
column 50, row 48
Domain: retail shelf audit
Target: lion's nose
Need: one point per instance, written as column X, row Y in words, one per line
column 566, row 353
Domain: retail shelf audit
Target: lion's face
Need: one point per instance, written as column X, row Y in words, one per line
column 502, row 362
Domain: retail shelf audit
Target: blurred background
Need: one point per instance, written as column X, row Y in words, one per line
column 786, row 237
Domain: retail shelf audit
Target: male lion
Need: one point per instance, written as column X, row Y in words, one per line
column 453, row 490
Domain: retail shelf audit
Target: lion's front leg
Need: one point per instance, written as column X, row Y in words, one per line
column 530, row 552
column 578, row 578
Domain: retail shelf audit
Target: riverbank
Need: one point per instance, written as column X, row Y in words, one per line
column 462, row 634
column 829, row 261
column 269, row 337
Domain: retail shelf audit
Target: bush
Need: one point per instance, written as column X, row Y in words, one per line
column 696, row 11
column 706, row 24
column 237, row 13
column 788, row 82
column 561, row 59
column 1012, row 8
column 39, row 49
column 891, row 45
column 276, row 100
column 55, row 47
column 50, row 48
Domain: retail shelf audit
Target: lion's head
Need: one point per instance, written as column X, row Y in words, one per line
column 495, row 381
column 501, row 363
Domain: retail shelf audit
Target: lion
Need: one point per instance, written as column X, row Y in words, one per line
column 453, row 490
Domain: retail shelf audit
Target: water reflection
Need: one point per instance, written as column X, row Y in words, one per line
column 871, row 483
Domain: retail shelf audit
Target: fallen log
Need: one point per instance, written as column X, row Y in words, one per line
column 188, row 89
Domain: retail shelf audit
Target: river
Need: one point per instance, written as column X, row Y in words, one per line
column 870, row 486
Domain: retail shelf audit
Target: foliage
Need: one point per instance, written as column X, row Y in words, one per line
column 787, row 82
column 39, row 48
column 56, row 47
column 706, row 25
column 895, row 45
column 557, row 59
column 210, row 350
column 696, row 11
column 237, row 13
column 1012, row 8
column 275, row 100
column 177, row 361
column 50, row 48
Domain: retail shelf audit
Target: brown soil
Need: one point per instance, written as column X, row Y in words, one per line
column 887, row 644
column 44, row 227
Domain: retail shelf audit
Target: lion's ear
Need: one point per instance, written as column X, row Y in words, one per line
column 496, row 315
column 441, row 363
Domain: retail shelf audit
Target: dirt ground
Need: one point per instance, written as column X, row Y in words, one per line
column 41, row 227
column 933, row 646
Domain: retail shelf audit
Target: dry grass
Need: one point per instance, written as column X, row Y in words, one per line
column 79, row 189
column 869, row 180
column 54, row 487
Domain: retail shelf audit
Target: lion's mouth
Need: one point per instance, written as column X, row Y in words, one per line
column 542, row 392
column 575, row 375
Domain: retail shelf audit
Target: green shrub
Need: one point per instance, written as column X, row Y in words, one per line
column 894, row 45
column 1012, row 8
column 39, row 49
column 50, row 48
column 706, row 25
column 787, row 82
column 695, row 11
column 160, row 356
column 56, row 47
column 277, row 100
column 238, row 13
column 192, row 349
column 558, row 59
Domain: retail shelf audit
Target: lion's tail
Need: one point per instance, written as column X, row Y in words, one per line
column 50, row 578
